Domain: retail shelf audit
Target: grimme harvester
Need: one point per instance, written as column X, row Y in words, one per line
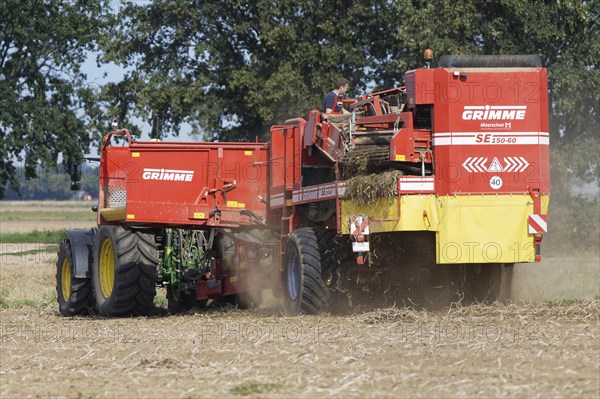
column 421, row 193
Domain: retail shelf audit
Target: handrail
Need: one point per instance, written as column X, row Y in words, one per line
column 118, row 132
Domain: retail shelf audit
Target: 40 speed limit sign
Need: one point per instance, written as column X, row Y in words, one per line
column 496, row 182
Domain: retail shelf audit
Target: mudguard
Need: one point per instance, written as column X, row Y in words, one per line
column 82, row 247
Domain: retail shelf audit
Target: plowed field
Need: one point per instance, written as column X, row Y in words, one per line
column 545, row 343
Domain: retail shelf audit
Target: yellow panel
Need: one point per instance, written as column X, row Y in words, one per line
column 400, row 157
column 130, row 216
column 135, row 154
column 470, row 229
column 199, row 215
column 241, row 205
column 485, row 229
column 384, row 215
column 247, row 152
column 232, row 204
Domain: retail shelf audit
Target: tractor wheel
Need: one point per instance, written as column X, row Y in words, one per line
column 125, row 271
column 487, row 283
column 74, row 294
column 304, row 288
column 179, row 302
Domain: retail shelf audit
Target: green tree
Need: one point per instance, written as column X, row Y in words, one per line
column 45, row 105
column 567, row 37
column 234, row 68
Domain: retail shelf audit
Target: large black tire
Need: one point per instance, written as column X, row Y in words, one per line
column 74, row 294
column 304, row 288
column 125, row 271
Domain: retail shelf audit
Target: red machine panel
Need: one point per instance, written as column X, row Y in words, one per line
column 490, row 128
column 285, row 160
column 186, row 183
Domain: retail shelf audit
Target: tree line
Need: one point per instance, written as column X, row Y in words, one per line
column 55, row 184
column 231, row 68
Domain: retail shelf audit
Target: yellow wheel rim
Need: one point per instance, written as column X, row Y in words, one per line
column 65, row 279
column 107, row 268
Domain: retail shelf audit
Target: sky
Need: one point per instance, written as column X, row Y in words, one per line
column 114, row 73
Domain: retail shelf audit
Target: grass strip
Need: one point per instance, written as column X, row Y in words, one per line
column 36, row 236
column 47, row 215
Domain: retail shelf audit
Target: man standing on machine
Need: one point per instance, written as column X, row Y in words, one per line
column 332, row 103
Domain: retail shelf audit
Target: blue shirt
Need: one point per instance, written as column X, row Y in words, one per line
column 330, row 99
